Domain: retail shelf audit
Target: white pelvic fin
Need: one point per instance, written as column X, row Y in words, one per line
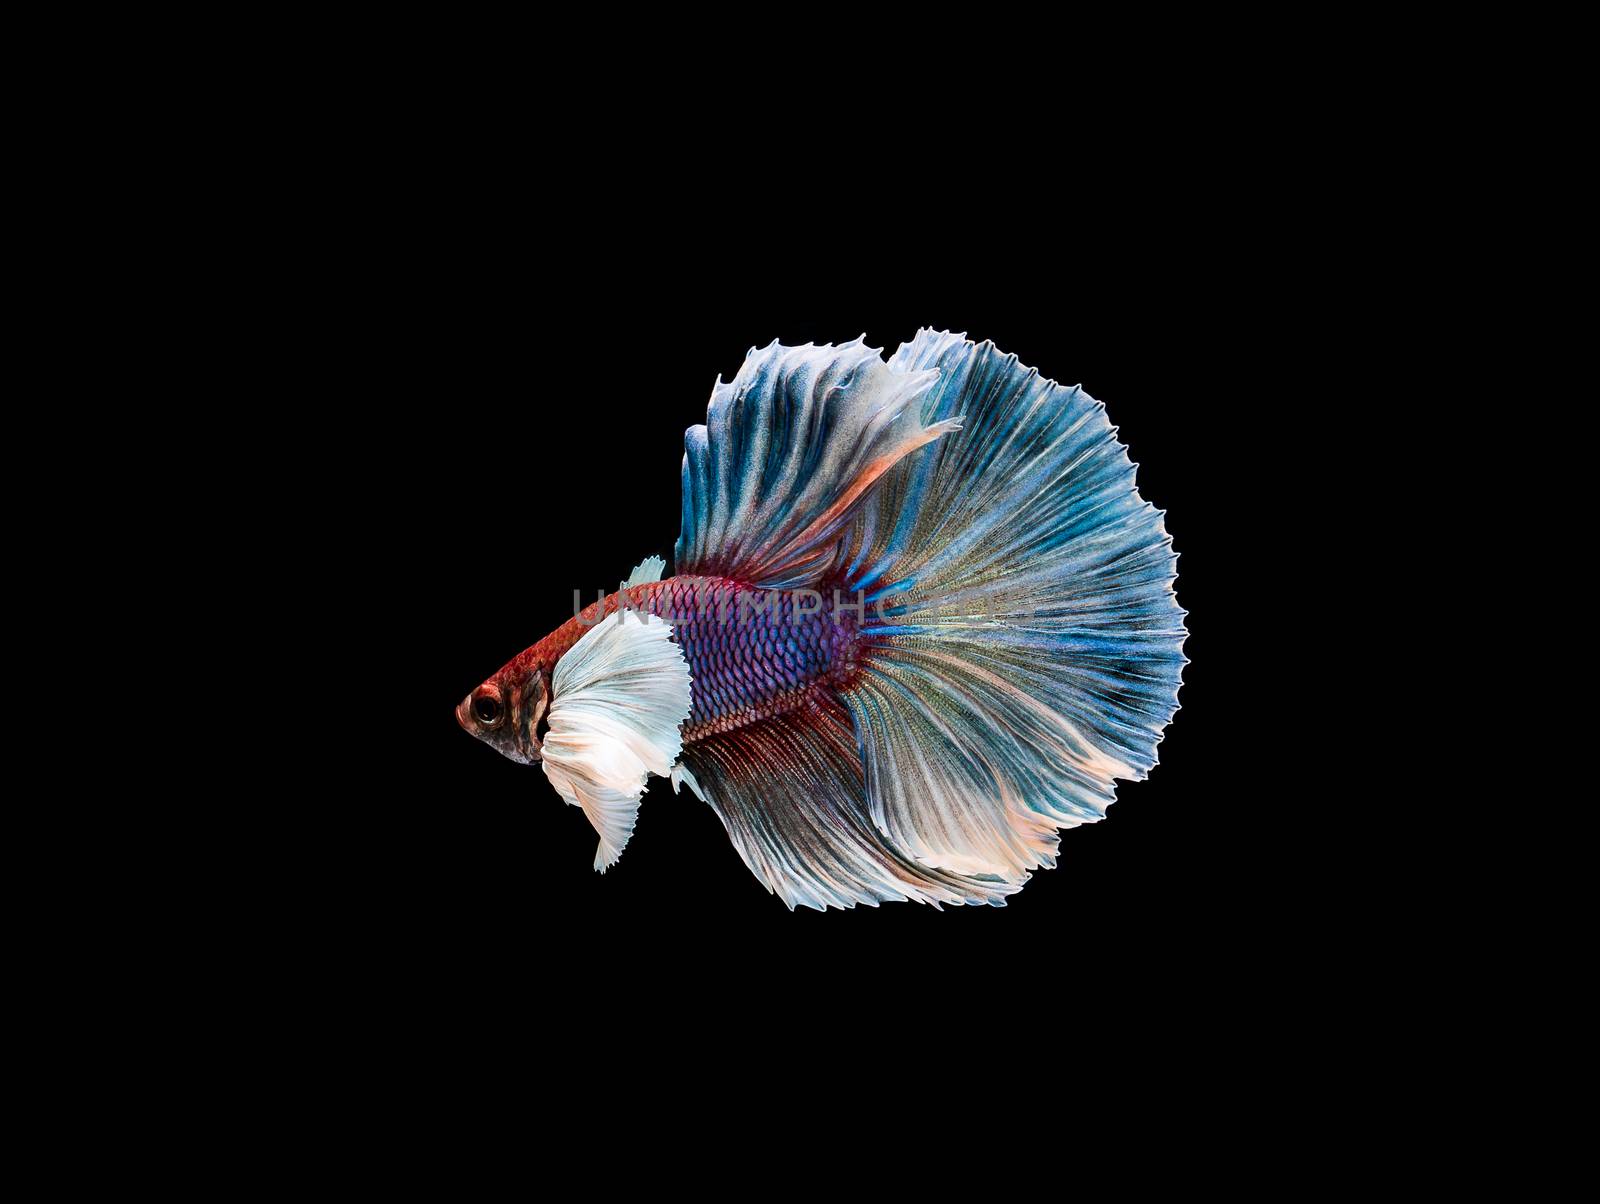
column 680, row 773
column 618, row 698
column 650, row 569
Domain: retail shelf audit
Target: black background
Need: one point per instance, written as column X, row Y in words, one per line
column 519, row 433
column 444, row 365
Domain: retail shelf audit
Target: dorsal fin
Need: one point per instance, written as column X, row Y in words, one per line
column 791, row 448
column 650, row 569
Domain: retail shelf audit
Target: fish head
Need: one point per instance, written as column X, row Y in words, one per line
column 506, row 711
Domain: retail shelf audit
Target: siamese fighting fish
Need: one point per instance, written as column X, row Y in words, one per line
column 920, row 621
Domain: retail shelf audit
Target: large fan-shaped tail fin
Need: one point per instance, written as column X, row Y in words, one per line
column 1025, row 645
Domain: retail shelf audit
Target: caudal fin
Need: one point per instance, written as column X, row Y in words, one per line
column 1024, row 645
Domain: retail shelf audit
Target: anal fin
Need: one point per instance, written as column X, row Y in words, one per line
column 791, row 794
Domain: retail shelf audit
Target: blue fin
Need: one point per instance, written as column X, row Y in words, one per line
column 1028, row 650
column 792, row 448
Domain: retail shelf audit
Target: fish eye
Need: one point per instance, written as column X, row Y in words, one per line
column 486, row 709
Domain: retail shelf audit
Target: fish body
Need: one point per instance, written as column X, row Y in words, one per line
column 896, row 671
column 752, row 654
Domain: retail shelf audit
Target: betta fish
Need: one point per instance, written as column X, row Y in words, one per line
column 920, row 622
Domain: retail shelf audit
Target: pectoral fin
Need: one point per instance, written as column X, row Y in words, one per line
column 619, row 697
